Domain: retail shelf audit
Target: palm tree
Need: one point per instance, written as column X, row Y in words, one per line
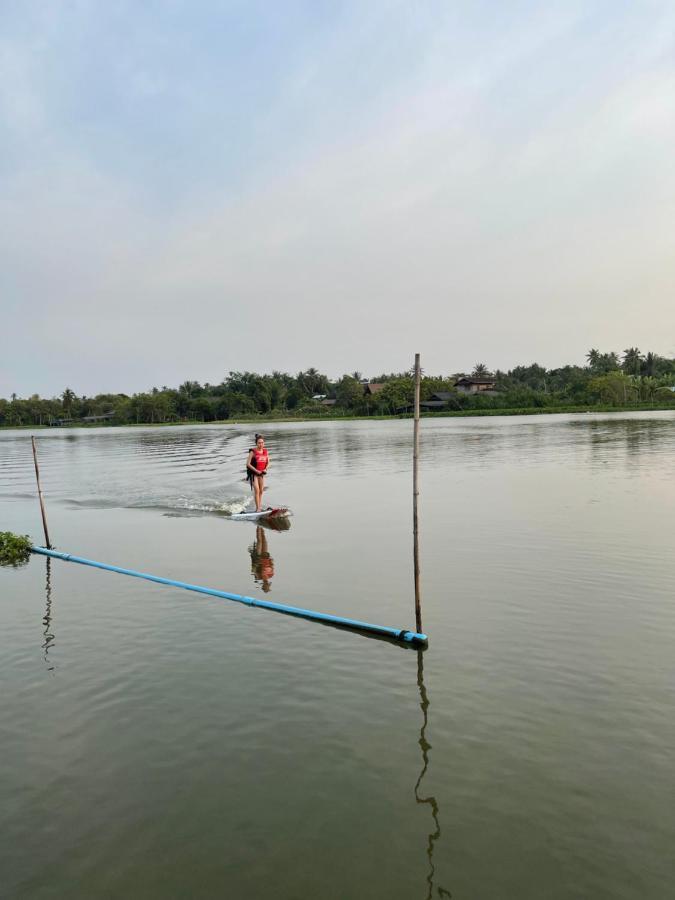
column 480, row 370
column 612, row 361
column 593, row 357
column 632, row 361
column 189, row 388
column 648, row 387
column 67, row 398
column 312, row 382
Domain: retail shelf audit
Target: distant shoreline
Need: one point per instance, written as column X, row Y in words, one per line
column 446, row 414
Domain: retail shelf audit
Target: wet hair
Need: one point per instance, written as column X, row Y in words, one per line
column 257, row 437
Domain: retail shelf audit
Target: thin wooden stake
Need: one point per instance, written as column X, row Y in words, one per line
column 416, row 452
column 42, row 505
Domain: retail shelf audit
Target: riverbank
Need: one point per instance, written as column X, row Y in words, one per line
column 332, row 416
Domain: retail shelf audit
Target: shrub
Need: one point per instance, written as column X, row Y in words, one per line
column 14, row 549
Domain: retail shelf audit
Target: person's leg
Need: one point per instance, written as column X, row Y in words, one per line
column 257, row 490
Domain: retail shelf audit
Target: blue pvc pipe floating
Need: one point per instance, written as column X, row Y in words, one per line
column 399, row 634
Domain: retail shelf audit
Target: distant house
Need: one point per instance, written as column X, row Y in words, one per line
column 475, row 385
column 103, row 417
column 439, row 400
column 372, row 389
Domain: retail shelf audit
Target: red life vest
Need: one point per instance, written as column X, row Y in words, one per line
column 260, row 459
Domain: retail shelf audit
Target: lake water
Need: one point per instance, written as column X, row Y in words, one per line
column 162, row 744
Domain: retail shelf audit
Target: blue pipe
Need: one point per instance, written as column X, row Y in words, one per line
column 410, row 637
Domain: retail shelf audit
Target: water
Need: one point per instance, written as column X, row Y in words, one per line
column 157, row 743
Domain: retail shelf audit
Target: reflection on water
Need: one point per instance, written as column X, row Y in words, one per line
column 200, row 468
column 262, row 564
column 552, row 676
column 47, row 619
column 425, row 746
column 640, row 442
column 280, row 523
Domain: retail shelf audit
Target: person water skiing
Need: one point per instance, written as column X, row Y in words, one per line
column 257, row 465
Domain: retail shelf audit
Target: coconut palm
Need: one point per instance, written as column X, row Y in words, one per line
column 312, row 382
column 480, row 370
column 649, row 364
column 632, row 361
column 593, row 356
column 67, row 398
column 189, row 388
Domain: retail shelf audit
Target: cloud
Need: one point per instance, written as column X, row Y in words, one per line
column 434, row 180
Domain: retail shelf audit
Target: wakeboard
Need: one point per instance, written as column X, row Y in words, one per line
column 272, row 512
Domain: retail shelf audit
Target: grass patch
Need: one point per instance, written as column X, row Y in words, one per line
column 14, row 549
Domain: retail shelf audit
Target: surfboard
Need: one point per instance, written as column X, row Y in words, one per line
column 272, row 512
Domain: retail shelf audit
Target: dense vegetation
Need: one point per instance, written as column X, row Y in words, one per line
column 606, row 380
column 14, row 549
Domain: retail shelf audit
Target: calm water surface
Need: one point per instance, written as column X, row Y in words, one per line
column 161, row 744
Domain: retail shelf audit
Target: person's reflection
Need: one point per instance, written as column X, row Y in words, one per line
column 47, row 618
column 281, row 524
column 425, row 746
column 262, row 564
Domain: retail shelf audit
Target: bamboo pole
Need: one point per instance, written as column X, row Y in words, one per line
column 42, row 505
column 416, row 453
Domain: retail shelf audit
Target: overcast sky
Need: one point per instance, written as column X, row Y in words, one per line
column 189, row 188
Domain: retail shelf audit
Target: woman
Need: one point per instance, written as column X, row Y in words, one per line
column 256, row 468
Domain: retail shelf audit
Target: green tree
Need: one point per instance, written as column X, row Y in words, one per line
column 204, row 408
column 397, row 394
column 648, row 387
column 602, row 363
column 349, row 393
column 616, row 388
column 533, row 376
column 190, row 389
column 68, row 397
column 593, row 356
column 664, row 394
column 632, row 361
column 312, row 382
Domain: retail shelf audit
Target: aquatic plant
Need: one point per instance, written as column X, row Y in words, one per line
column 14, row 549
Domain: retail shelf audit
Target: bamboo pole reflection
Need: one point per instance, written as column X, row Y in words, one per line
column 425, row 746
column 47, row 619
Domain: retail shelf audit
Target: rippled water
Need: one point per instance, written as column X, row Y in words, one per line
column 160, row 744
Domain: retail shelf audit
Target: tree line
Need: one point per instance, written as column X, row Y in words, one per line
column 631, row 378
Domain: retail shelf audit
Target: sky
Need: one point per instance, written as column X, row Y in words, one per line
column 193, row 188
